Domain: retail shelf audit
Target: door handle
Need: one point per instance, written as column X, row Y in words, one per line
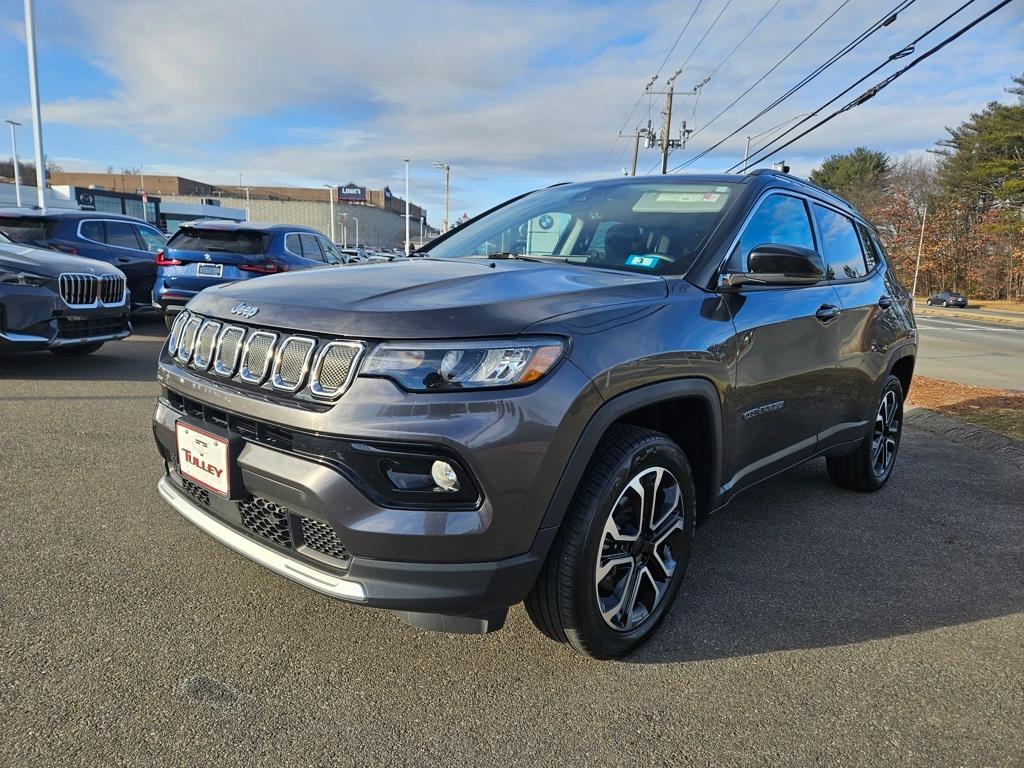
column 123, row 260
column 885, row 301
column 827, row 313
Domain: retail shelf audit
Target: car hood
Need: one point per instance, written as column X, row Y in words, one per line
column 40, row 261
column 425, row 298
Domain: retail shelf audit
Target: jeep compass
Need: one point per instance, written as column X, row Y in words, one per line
column 544, row 405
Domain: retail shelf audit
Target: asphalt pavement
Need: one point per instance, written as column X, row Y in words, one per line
column 816, row 627
column 971, row 352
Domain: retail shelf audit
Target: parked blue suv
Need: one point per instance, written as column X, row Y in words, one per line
column 127, row 243
column 205, row 253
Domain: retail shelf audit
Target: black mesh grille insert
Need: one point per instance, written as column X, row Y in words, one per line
column 322, row 538
column 267, row 519
column 199, row 494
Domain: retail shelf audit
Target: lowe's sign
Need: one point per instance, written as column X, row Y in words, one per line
column 350, row 193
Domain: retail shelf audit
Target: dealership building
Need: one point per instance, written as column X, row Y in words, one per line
column 375, row 216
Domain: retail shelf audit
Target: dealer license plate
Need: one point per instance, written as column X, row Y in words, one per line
column 204, row 459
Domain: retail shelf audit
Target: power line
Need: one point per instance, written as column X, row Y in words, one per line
column 875, row 89
column 887, row 19
column 651, row 82
column 907, row 50
column 775, row 66
column 751, row 31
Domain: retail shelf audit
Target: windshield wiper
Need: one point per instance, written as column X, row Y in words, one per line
column 522, row 256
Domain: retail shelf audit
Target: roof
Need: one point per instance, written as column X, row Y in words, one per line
column 226, row 225
column 50, row 213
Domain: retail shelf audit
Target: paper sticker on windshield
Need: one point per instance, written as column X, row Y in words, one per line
column 642, row 261
column 693, row 199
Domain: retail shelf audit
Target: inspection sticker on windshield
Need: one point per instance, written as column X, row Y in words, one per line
column 642, row 261
column 696, row 199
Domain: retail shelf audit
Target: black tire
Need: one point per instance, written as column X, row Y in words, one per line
column 866, row 469
column 565, row 603
column 77, row 350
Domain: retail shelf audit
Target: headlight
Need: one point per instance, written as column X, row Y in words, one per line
column 10, row 276
column 444, row 366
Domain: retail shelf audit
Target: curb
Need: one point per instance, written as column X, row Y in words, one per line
column 961, row 433
column 967, row 315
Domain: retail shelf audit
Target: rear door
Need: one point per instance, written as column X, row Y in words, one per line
column 786, row 347
column 864, row 333
column 129, row 254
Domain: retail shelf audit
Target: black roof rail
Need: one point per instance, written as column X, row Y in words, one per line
column 802, row 183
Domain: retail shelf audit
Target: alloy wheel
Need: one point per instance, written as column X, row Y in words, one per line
column 642, row 545
column 888, row 422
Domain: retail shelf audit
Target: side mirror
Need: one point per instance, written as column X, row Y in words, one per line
column 774, row 264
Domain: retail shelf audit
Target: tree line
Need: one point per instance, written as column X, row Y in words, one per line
column 961, row 204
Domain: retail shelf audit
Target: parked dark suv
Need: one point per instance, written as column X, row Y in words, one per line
column 205, row 253
column 543, row 405
column 129, row 244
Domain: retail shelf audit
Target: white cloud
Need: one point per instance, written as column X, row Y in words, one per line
column 520, row 92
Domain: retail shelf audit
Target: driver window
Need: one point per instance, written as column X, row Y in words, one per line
column 779, row 219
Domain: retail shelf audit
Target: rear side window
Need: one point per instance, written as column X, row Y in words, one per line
column 779, row 219
column 27, row 229
column 292, row 245
column 310, row 247
column 214, row 240
column 92, row 230
column 122, row 234
column 841, row 246
column 151, row 238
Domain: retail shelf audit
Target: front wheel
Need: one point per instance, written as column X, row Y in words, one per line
column 77, row 350
column 618, row 562
column 870, row 465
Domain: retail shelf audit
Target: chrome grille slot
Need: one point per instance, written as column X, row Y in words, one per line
column 229, row 348
column 292, row 362
column 78, row 290
column 334, row 368
column 206, row 340
column 188, row 338
column 257, row 355
column 112, row 289
column 175, row 334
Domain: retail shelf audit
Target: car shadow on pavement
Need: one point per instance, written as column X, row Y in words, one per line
column 798, row 563
column 131, row 359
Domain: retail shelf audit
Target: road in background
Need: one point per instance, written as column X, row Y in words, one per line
column 971, row 352
column 816, row 626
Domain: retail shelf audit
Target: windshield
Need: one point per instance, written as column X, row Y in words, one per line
column 226, row 241
column 651, row 226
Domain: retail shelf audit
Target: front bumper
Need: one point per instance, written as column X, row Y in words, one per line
column 34, row 318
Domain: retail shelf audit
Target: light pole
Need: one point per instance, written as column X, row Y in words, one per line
column 356, row 220
column 247, row 212
column 330, row 199
column 406, row 161
column 33, row 90
column 447, row 176
column 14, row 155
column 421, row 231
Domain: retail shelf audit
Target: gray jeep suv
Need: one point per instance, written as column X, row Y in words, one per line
column 543, row 405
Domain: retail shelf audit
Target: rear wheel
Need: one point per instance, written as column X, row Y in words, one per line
column 869, row 466
column 618, row 562
column 78, row 350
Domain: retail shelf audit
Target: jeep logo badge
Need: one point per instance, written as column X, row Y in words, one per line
column 245, row 310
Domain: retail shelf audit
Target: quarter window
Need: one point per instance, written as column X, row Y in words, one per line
column 841, row 246
column 330, row 251
column 780, row 219
column 93, row 230
column 151, row 239
column 291, row 244
column 122, row 234
column 310, row 247
column 871, row 255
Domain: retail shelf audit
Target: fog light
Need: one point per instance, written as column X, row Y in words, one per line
column 444, row 476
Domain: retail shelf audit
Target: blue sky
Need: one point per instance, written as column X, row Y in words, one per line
column 512, row 95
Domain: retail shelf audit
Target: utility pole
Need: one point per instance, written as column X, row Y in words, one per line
column 33, row 90
column 667, row 142
column 406, row 161
column 920, row 245
column 17, row 171
column 447, row 174
column 666, row 130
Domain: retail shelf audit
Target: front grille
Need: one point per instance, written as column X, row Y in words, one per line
column 293, row 362
column 82, row 290
column 321, row 537
column 267, row 519
column 91, row 327
column 257, row 356
column 307, row 368
column 334, row 368
column 205, row 340
column 199, row 494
